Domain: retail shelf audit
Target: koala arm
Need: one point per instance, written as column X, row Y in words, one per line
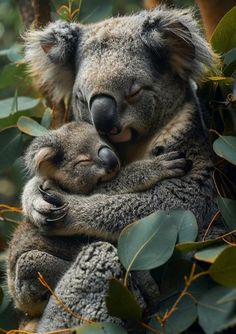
column 105, row 216
column 144, row 174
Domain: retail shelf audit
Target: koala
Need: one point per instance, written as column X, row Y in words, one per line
column 131, row 78
column 90, row 160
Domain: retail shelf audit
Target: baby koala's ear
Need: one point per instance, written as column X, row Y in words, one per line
column 43, row 159
column 37, row 160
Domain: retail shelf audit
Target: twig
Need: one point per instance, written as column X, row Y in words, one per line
column 210, row 224
column 188, row 281
column 60, row 302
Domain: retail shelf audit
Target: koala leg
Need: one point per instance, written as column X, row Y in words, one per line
column 83, row 288
column 30, row 295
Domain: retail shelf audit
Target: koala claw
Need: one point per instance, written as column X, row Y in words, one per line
column 48, row 220
column 62, row 207
column 50, row 198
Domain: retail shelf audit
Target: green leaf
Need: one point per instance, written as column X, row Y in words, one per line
column 12, row 74
column 230, row 56
column 225, row 80
column 7, row 106
column 231, row 296
column 186, row 223
column 190, row 246
column 228, row 210
column 147, row 243
column 225, row 147
column 13, row 54
column 47, row 118
column 224, row 38
column 11, row 146
column 223, row 270
column 184, row 316
column 121, row 302
column 210, row 254
column 1, row 295
column 31, row 127
column 101, row 10
column 100, row 328
column 213, row 316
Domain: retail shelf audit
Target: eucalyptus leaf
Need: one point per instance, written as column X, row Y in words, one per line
column 147, row 243
column 225, row 147
column 31, row 127
column 186, row 223
column 12, row 75
column 213, row 315
column 15, row 104
column 182, row 318
column 11, row 146
column 1, row 295
column 47, row 118
column 210, row 254
column 100, row 328
column 230, row 56
column 228, row 210
column 224, row 38
column 121, row 302
column 223, row 270
column 230, row 296
column 191, row 246
column 225, row 80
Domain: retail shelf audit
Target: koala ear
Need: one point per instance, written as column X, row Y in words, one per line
column 175, row 34
column 37, row 159
column 42, row 158
column 50, row 54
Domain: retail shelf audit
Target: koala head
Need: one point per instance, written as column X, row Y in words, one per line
column 74, row 156
column 128, row 75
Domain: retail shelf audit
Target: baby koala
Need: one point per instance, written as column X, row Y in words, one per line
column 77, row 159
column 74, row 156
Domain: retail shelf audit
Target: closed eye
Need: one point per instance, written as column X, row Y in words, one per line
column 134, row 93
column 83, row 160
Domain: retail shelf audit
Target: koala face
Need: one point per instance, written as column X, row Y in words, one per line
column 127, row 76
column 74, row 156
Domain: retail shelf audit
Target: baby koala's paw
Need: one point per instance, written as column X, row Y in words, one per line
column 174, row 164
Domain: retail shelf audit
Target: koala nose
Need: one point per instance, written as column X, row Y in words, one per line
column 108, row 159
column 104, row 114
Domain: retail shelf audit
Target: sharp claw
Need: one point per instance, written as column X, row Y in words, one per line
column 50, row 198
column 49, row 220
column 64, row 206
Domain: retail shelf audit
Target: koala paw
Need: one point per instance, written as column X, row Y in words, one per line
column 44, row 204
column 174, row 164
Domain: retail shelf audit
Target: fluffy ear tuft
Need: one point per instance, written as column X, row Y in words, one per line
column 176, row 34
column 50, row 54
column 37, row 159
column 43, row 157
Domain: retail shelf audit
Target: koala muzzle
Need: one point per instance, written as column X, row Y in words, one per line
column 108, row 159
column 104, row 114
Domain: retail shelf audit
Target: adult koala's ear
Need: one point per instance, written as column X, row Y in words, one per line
column 50, row 53
column 174, row 34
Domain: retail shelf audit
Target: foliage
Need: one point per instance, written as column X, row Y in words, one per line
column 197, row 279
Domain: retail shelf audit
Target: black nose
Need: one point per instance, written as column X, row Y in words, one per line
column 108, row 159
column 104, row 114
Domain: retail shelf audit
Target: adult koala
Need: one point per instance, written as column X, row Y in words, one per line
column 130, row 77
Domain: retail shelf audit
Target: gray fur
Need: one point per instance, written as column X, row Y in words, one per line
column 159, row 52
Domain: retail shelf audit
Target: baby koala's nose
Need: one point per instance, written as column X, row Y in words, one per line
column 108, row 159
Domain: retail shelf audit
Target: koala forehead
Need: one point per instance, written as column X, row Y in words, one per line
column 112, row 52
